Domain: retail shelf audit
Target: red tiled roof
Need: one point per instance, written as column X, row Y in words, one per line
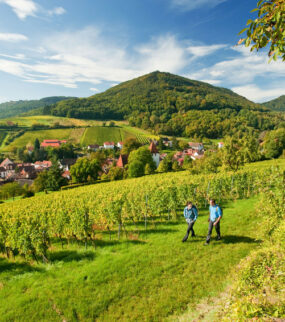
column 52, row 143
column 109, row 143
column 123, row 160
column 153, row 148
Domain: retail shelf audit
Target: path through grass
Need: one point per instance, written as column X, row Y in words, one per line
column 150, row 277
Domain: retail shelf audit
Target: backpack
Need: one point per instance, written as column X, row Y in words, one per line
column 221, row 211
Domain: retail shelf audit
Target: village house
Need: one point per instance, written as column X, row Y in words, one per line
column 52, row 143
column 120, row 145
column 109, row 145
column 196, row 146
column 66, row 164
column 109, row 162
column 155, row 154
column 167, row 142
column 123, row 160
column 42, row 165
column 220, row 145
column 93, row 147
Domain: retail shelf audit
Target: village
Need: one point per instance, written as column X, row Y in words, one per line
column 26, row 173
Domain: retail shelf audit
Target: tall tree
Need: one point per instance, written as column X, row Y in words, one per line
column 267, row 29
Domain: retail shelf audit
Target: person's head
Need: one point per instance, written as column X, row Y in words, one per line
column 189, row 204
column 212, row 202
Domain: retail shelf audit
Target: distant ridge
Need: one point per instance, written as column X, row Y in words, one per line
column 15, row 108
column 277, row 104
column 172, row 105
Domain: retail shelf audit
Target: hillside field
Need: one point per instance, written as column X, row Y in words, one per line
column 147, row 274
column 85, row 132
column 149, row 277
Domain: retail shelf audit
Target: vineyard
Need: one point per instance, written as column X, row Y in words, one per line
column 29, row 227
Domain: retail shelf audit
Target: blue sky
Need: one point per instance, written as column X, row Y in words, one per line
column 79, row 48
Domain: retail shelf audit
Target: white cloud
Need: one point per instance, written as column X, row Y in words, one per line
column 12, row 37
column 261, row 95
column 242, row 69
column 17, row 56
column 25, row 8
column 201, row 51
column 188, row 5
column 93, row 89
column 22, row 8
column 56, row 11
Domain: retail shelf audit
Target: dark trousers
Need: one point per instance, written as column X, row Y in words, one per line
column 190, row 228
column 217, row 227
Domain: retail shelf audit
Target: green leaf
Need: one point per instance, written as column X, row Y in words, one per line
column 241, row 32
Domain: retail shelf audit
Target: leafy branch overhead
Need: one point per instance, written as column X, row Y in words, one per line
column 267, row 29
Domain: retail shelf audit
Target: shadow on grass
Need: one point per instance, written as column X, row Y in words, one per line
column 18, row 268
column 227, row 239
column 232, row 239
column 70, row 256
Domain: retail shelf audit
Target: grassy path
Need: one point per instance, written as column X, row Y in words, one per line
column 148, row 278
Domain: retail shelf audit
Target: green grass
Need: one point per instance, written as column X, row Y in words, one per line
column 30, row 136
column 101, row 134
column 28, row 121
column 147, row 278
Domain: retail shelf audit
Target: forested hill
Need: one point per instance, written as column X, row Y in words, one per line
column 277, row 104
column 168, row 104
column 13, row 108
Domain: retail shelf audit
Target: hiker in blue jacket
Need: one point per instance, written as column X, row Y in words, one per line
column 191, row 215
column 214, row 220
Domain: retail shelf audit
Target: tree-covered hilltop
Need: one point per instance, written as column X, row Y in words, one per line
column 14, row 108
column 277, row 104
column 172, row 105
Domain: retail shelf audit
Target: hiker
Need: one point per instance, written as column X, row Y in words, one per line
column 190, row 214
column 214, row 220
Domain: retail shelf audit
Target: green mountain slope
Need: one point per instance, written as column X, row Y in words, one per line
column 168, row 104
column 277, row 104
column 14, row 108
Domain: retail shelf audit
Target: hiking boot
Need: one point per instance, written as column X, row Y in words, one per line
column 206, row 244
column 184, row 240
column 218, row 238
column 193, row 236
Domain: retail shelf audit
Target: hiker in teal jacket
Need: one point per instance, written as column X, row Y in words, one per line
column 191, row 215
column 215, row 215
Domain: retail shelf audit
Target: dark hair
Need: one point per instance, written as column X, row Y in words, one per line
column 214, row 201
column 189, row 203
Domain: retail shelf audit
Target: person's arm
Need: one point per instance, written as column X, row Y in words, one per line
column 195, row 214
column 209, row 214
column 185, row 213
column 220, row 216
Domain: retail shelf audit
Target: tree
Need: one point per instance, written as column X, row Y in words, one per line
column 55, row 178
column 267, row 29
column 148, row 169
column 274, row 143
column 51, row 179
column 37, row 144
column 187, row 163
column 183, row 145
column 175, row 143
column 175, row 166
column 11, row 190
column 136, row 169
column 143, row 155
column 130, row 145
column 115, row 173
column 160, row 144
column 41, row 182
column 232, row 154
column 85, row 170
column 250, row 149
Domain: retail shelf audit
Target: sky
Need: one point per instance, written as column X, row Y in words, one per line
column 83, row 47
